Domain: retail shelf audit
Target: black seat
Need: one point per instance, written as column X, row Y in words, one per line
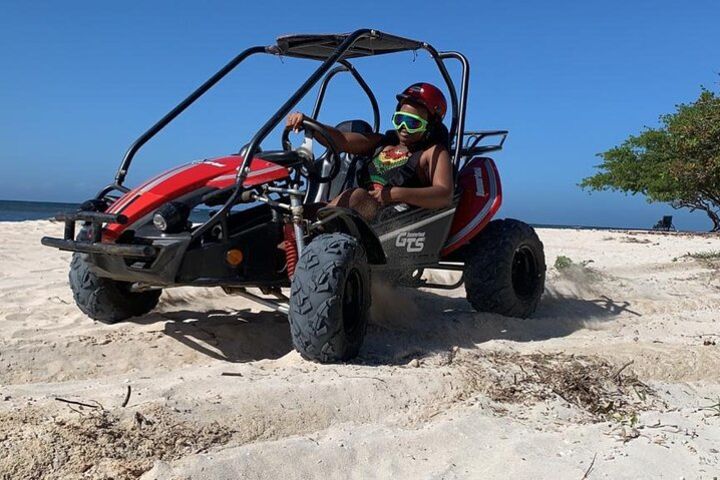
column 346, row 177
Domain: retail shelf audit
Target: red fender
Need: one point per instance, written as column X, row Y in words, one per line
column 480, row 199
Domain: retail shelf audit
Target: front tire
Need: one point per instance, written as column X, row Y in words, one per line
column 330, row 299
column 104, row 299
column 505, row 269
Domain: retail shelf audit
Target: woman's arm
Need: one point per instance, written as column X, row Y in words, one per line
column 438, row 195
column 350, row 142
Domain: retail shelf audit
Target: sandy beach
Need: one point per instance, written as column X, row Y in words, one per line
column 617, row 376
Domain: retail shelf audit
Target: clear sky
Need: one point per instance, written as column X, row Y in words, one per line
column 79, row 81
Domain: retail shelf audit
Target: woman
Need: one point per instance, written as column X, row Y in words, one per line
column 410, row 164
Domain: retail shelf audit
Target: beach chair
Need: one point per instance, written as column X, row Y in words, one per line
column 665, row 224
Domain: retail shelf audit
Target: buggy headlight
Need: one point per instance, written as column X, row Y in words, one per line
column 171, row 217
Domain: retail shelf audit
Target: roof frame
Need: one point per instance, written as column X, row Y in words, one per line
column 322, row 46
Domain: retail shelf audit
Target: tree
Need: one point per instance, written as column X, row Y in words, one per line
column 677, row 163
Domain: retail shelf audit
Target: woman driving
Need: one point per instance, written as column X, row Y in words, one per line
column 410, row 164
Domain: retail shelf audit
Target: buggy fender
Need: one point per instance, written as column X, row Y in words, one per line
column 348, row 221
column 480, row 199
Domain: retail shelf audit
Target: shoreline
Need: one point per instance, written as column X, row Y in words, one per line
column 208, row 381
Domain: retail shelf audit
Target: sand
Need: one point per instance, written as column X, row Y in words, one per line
column 617, row 376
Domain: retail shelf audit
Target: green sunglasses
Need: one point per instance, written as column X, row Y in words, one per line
column 412, row 123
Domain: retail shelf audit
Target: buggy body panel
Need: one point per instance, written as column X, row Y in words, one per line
column 480, row 190
column 194, row 179
column 413, row 237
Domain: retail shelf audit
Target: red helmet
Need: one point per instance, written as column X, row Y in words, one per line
column 427, row 95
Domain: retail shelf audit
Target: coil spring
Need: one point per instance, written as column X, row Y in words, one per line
column 290, row 246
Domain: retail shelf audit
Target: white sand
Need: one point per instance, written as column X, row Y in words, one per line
column 278, row 416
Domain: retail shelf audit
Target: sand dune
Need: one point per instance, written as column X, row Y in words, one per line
column 439, row 391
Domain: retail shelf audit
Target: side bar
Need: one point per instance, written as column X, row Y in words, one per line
column 127, row 159
column 281, row 307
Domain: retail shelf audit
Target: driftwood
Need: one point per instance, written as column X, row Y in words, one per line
column 127, row 397
column 587, row 472
column 73, row 402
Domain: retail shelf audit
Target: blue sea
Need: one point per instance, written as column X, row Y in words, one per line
column 17, row 211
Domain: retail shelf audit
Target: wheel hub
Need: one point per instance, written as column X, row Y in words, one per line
column 525, row 272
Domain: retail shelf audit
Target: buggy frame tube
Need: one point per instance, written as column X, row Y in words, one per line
column 451, row 87
column 346, row 66
column 361, row 81
column 323, row 87
column 275, row 120
column 464, row 82
column 152, row 131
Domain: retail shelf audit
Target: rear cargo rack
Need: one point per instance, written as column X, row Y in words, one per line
column 472, row 140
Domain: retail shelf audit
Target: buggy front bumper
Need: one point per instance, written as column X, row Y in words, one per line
column 132, row 251
column 94, row 244
column 155, row 261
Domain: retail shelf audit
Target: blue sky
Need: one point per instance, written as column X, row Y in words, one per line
column 81, row 80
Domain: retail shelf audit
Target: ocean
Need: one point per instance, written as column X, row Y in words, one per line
column 18, row 211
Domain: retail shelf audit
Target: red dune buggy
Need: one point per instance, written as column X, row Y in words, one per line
column 132, row 243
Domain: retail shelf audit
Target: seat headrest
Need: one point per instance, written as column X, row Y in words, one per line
column 355, row 126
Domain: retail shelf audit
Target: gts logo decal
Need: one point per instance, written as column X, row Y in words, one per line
column 413, row 242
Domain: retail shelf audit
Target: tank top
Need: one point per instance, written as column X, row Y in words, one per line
column 390, row 167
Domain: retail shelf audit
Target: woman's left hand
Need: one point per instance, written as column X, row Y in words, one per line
column 382, row 196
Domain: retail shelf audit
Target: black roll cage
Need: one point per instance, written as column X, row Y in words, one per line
column 350, row 44
column 346, row 66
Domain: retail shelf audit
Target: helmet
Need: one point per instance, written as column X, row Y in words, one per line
column 427, row 95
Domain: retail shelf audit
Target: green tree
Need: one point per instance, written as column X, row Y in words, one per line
column 677, row 163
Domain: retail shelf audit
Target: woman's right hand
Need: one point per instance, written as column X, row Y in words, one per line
column 294, row 121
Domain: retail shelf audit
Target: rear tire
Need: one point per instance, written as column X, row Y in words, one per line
column 505, row 269
column 106, row 300
column 330, row 299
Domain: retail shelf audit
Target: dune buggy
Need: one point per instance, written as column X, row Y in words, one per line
column 260, row 235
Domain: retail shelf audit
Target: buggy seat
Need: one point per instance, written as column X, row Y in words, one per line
column 347, row 176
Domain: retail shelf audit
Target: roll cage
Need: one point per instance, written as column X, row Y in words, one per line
column 330, row 50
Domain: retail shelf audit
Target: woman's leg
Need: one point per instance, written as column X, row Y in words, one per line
column 359, row 200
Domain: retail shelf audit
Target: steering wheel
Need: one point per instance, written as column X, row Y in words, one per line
column 310, row 166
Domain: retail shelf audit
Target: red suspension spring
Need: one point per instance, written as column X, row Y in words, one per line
column 290, row 246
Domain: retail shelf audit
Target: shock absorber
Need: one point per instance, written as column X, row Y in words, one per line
column 290, row 246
